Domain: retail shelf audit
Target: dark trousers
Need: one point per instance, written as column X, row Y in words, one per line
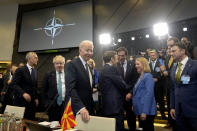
column 119, row 121
column 30, row 110
column 30, row 107
column 159, row 97
column 130, row 115
column 186, row 123
column 170, row 120
column 147, row 124
column 55, row 112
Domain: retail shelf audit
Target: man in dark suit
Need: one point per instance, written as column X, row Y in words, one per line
column 113, row 89
column 129, row 74
column 24, row 85
column 159, row 90
column 54, row 90
column 183, row 93
column 7, row 93
column 166, row 69
column 79, row 82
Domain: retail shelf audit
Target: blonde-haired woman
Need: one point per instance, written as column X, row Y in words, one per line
column 95, row 88
column 143, row 96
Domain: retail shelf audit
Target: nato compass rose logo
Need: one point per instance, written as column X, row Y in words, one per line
column 53, row 27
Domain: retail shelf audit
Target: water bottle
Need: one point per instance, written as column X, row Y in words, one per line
column 19, row 125
column 5, row 121
column 1, row 124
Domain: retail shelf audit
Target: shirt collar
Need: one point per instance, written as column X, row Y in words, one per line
column 83, row 61
column 154, row 61
column 109, row 64
column 29, row 67
column 61, row 72
column 125, row 62
column 184, row 61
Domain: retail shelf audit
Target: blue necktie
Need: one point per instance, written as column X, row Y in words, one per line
column 59, row 85
column 33, row 74
column 153, row 65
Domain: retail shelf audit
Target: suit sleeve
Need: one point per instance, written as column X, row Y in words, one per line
column 44, row 90
column 116, row 79
column 172, row 96
column 71, row 83
column 134, row 78
column 15, row 84
column 149, row 94
column 5, row 82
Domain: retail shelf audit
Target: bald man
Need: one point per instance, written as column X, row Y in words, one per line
column 79, row 81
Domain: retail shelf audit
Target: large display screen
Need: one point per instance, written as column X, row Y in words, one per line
column 56, row 27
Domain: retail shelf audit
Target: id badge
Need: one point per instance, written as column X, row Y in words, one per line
column 157, row 69
column 185, row 79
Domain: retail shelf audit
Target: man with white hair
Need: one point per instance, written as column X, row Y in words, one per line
column 24, row 85
column 79, row 81
column 54, row 89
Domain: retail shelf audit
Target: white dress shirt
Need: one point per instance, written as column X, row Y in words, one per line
column 124, row 66
column 84, row 64
column 29, row 67
column 154, row 62
column 183, row 62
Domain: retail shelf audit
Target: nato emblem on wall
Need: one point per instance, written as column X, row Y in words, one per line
column 58, row 27
column 53, row 27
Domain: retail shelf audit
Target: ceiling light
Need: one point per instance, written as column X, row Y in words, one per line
column 185, row 29
column 160, row 29
column 119, row 40
column 105, row 38
column 132, row 38
column 147, row 36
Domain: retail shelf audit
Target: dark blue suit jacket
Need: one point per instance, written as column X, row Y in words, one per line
column 185, row 94
column 113, row 89
column 78, row 83
column 143, row 96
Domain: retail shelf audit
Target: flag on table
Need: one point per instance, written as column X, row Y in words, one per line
column 68, row 119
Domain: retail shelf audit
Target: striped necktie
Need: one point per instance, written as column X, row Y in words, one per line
column 170, row 62
column 89, row 74
column 178, row 74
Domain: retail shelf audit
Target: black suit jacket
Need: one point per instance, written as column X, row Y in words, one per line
column 78, row 83
column 7, row 98
column 5, row 84
column 22, row 83
column 49, row 89
column 131, row 75
column 156, row 71
column 113, row 89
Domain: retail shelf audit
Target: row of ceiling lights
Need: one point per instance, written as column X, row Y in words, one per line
column 159, row 29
